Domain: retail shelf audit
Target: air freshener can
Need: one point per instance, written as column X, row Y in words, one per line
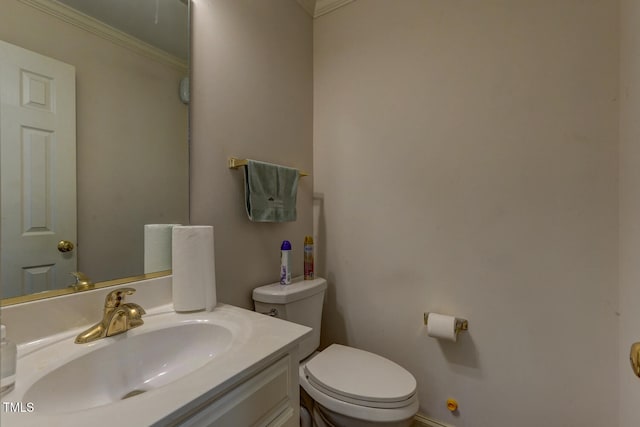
column 285, row 263
column 308, row 258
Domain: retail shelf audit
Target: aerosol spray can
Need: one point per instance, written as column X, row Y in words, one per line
column 285, row 263
column 308, row 258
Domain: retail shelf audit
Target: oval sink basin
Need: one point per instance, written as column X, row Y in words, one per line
column 126, row 365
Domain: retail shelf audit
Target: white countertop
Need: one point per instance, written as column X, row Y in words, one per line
column 257, row 341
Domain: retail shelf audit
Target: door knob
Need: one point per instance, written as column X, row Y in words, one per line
column 635, row 358
column 65, row 246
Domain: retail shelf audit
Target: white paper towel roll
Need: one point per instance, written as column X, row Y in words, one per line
column 194, row 278
column 442, row 326
column 157, row 247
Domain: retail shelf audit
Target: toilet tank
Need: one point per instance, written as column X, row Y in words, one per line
column 300, row 302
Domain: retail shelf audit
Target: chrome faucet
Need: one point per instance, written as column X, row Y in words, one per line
column 118, row 317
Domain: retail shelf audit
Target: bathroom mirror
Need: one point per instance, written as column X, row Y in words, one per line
column 130, row 125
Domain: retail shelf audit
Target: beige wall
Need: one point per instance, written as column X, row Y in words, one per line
column 251, row 98
column 467, row 154
column 629, row 208
column 132, row 150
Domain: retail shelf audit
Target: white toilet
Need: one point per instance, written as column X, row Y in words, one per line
column 346, row 387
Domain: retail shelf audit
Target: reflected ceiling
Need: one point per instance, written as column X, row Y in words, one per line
column 161, row 23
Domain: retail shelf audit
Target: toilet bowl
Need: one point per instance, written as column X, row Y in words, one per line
column 352, row 387
column 348, row 387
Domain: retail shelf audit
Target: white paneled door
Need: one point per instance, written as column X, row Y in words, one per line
column 37, row 171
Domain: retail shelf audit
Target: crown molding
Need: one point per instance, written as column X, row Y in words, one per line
column 100, row 29
column 325, row 6
column 317, row 8
column 308, row 5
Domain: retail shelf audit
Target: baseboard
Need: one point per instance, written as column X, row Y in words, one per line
column 422, row 421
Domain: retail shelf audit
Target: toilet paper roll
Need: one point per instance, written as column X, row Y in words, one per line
column 194, row 278
column 442, row 326
column 157, row 247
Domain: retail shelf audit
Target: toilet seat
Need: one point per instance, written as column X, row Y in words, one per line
column 357, row 411
column 360, row 377
column 359, row 384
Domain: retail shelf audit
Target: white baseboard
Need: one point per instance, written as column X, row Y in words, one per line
column 422, row 421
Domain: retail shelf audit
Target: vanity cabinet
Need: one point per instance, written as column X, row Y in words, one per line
column 268, row 398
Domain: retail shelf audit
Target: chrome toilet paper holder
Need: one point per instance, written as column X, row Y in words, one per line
column 460, row 325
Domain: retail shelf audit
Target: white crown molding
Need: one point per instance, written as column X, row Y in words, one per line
column 100, row 29
column 308, row 5
column 317, row 8
column 325, row 6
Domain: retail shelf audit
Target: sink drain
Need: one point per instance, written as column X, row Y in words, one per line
column 132, row 393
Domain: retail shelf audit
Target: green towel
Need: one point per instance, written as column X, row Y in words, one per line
column 270, row 192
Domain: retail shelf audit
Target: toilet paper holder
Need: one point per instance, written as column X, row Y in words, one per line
column 460, row 325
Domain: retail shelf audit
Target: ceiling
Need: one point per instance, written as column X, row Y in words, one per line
column 161, row 23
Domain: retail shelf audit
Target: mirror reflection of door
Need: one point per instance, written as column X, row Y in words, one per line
column 37, row 171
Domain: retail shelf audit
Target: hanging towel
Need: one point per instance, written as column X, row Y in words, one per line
column 270, row 192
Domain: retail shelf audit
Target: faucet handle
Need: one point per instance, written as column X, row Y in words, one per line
column 82, row 281
column 115, row 298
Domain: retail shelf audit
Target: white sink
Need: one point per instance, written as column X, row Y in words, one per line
column 154, row 374
column 60, row 377
column 131, row 364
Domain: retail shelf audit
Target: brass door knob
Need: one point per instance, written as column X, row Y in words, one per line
column 65, row 246
column 635, row 358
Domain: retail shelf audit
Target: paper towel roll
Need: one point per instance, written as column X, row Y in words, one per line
column 194, row 279
column 442, row 326
column 157, row 247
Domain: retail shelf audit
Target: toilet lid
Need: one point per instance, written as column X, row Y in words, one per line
column 360, row 377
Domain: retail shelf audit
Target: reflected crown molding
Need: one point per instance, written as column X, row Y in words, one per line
column 317, row 8
column 100, row 29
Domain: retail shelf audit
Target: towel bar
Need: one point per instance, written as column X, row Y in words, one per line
column 235, row 163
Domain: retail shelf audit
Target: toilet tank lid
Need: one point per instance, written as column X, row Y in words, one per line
column 276, row 293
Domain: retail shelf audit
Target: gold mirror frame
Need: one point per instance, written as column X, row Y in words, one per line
column 66, row 291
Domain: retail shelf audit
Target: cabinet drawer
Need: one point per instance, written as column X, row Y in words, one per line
column 260, row 400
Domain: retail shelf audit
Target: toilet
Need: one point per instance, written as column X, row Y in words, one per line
column 342, row 386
